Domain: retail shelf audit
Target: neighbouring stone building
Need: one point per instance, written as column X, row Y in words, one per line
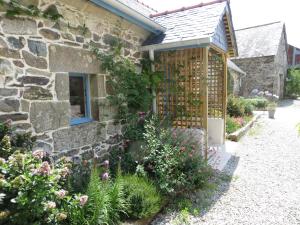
column 48, row 73
column 263, row 56
column 293, row 56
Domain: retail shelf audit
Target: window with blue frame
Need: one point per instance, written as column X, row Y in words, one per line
column 79, row 98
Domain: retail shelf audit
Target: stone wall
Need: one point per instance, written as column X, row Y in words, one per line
column 265, row 73
column 281, row 65
column 260, row 74
column 36, row 57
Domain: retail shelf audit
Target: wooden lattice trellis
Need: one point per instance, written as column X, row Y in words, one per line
column 193, row 86
column 182, row 95
column 216, row 85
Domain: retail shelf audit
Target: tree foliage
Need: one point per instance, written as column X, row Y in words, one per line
column 293, row 83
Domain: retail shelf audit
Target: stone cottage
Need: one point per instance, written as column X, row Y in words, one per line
column 52, row 85
column 263, row 56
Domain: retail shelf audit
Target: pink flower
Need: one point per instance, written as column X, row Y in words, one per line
column 105, row 176
column 61, row 193
column 83, row 200
column 50, row 205
column 45, row 169
column 38, row 154
column 65, row 171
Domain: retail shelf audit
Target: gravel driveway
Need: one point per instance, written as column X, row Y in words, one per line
column 263, row 178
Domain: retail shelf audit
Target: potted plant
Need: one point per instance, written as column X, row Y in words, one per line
column 271, row 109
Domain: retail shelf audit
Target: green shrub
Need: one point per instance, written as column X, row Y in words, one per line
column 173, row 160
column 123, row 158
column 142, row 196
column 248, row 107
column 293, row 83
column 258, row 103
column 232, row 125
column 235, row 107
column 30, row 184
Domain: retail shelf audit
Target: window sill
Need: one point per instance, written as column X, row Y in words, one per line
column 78, row 121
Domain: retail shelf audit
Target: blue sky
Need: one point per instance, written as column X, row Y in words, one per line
column 247, row 13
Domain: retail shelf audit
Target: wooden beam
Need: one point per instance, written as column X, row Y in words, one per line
column 225, row 94
column 205, row 103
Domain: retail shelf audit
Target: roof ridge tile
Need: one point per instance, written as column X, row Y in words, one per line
column 260, row 25
column 187, row 8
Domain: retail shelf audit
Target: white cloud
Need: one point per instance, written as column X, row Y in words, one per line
column 250, row 13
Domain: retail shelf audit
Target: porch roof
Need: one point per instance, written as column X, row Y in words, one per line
column 234, row 67
column 202, row 24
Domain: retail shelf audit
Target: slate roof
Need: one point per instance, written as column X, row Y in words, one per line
column 139, row 7
column 258, row 41
column 195, row 23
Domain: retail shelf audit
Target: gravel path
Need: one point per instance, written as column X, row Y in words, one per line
column 261, row 183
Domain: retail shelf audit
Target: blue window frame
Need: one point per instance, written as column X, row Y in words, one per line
column 80, row 98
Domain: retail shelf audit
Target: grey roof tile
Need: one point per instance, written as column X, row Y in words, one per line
column 139, row 7
column 196, row 23
column 260, row 40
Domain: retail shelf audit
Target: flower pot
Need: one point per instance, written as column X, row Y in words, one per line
column 271, row 114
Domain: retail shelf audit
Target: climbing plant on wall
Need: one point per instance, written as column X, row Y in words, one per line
column 130, row 91
column 16, row 7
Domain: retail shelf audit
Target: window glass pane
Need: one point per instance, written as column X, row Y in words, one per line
column 77, row 97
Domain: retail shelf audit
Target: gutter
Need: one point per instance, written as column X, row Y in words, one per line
column 202, row 42
column 131, row 15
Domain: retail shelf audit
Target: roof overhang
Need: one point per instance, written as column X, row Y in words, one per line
column 130, row 15
column 202, row 42
column 231, row 65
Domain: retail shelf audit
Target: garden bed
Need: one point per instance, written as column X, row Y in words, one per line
column 236, row 136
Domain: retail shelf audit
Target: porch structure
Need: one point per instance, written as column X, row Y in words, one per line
column 193, row 57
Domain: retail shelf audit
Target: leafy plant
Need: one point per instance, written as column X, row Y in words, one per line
column 172, row 160
column 258, row 103
column 15, row 8
column 30, row 185
column 232, row 125
column 235, row 107
column 142, row 196
column 183, row 218
column 106, row 199
column 130, row 92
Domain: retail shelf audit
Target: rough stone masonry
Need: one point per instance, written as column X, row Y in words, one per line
column 36, row 57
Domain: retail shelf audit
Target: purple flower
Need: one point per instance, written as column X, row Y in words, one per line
column 105, row 176
column 105, row 164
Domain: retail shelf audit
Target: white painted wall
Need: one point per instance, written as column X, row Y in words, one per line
column 215, row 131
